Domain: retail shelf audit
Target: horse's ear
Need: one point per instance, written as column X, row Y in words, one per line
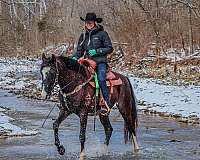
column 44, row 57
column 53, row 58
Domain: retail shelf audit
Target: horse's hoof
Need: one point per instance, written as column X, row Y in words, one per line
column 105, row 113
column 61, row 150
column 104, row 149
column 136, row 150
column 82, row 155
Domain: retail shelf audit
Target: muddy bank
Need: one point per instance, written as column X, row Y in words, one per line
column 159, row 138
column 8, row 128
column 22, row 77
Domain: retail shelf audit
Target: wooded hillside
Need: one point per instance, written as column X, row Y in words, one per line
column 26, row 26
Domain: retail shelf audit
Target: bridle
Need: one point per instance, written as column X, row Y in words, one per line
column 77, row 76
column 74, row 80
column 55, row 81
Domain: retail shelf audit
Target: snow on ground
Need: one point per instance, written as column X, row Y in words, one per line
column 173, row 54
column 9, row 129
column 9, row 79
column 181, row 100
column 155, row 94
column 15, row 65
column 13, row 72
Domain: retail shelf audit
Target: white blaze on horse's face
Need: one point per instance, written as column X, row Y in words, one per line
column 45, row 71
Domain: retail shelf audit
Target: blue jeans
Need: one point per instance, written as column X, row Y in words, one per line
column 101, row 75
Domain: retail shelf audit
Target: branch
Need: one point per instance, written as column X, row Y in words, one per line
column 142, row 7
column 13, row 6
column 153, row 23
column 45, row 6
column 189, row 5
column 25, row 4
column 72, row 8
column 119, row 43
column 186, row 4
column 4, row 2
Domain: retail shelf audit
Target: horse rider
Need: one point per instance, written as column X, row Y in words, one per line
column 94, row 42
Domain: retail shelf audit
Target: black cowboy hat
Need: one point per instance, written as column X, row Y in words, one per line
column 91, row 17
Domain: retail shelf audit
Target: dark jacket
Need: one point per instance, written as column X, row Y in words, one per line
column 97, row 39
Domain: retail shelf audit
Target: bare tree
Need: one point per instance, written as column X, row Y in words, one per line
column 34, row 24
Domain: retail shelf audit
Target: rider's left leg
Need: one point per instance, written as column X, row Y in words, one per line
column 101, row 74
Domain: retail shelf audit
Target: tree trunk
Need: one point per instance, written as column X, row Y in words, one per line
column 191, row 32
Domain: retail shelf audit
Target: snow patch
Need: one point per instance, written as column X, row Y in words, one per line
column 168, row 98
column 8, row 129
column 13, row 71
column 159, row 96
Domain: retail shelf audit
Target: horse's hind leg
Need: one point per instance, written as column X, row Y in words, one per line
column 107, row 128
column 62, row 116
column 130, row 124
column 135, row 143
column 131, row 129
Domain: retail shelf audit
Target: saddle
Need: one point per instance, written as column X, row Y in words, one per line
column 111, row 79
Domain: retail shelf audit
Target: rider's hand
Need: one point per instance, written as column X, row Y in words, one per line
column 74, row 58
column 92, row 52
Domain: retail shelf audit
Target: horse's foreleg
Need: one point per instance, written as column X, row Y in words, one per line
column 62, row 116
column 107, row 128
column 83, row 124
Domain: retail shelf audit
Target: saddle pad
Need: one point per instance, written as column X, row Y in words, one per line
column 109, row 83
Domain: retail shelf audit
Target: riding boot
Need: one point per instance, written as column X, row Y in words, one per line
column 101, row 73
column 103, row 110
column 106, row 109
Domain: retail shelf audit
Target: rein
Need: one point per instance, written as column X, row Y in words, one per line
column 79, row 68
column 77, row 88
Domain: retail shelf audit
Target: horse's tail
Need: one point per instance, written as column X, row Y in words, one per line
column 134, row 118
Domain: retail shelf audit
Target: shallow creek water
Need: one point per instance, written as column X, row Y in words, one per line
column 159, row 138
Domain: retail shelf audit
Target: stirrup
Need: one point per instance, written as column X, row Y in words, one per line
column 105, row 111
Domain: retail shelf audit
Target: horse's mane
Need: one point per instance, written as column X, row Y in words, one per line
column 73, row 65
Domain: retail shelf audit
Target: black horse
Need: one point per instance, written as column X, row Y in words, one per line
column 76, row 96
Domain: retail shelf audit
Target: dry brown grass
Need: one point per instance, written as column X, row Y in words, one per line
column 165, row 24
